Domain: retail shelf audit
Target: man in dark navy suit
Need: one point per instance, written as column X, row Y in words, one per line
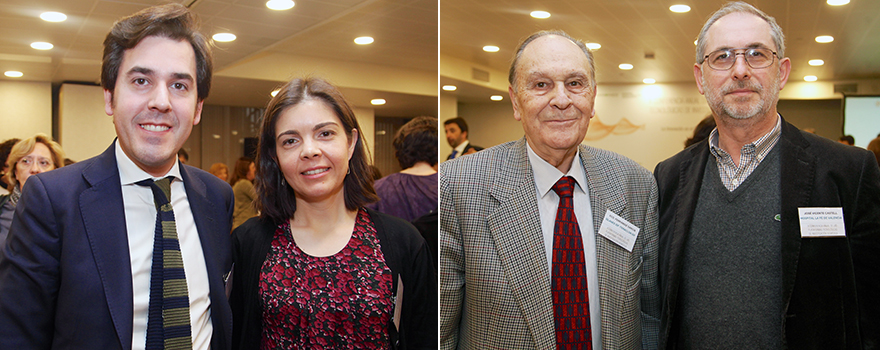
column 76, row 269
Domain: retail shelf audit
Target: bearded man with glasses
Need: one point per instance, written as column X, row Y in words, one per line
column 769, row 236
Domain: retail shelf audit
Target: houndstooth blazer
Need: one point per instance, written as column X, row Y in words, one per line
column 494, row 279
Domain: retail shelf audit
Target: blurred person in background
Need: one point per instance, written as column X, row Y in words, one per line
column 27, row 157
column 412, row 192
column 5, row 147
column 457, row 136
column 220, row 170
column 242, row 182
column 701, row 131
column 318, row 270
column 847, row 140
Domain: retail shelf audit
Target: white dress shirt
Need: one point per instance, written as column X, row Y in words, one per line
column 459, row 151
column 140, row 223
column 546, row 175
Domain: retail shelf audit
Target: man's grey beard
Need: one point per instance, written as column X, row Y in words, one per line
column 765, row 103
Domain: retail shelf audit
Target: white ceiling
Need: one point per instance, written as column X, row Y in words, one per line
column 405, row 33
column 630, row 29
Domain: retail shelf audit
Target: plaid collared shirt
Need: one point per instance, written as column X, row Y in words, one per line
column 751, row 156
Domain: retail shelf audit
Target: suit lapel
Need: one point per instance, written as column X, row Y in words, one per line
column 612, row 269
column 797, row 171
column 522, row 255
column 104, row 223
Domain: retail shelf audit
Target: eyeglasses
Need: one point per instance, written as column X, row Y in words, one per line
column 724, row 59
column 43, row 163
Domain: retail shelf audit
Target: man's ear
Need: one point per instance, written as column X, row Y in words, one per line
column 108, row 102
column 513, row 101
column 698, row 77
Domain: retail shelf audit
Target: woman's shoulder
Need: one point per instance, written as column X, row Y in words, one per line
column 396, row 230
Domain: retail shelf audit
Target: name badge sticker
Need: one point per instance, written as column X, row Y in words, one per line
column 821, row 222
column 619, row 231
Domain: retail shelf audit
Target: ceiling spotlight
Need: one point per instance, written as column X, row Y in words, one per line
column 816, row 62
column 449, row 87
column 649, row 81
column 280, row 5
column 625, row 66
column 39, row 45
column 496, row 97
column 810, row 78
column 824, row 39
column 540, row 14
column 13, row 74
column 274, row 92
column 679, row 8
column 363, row 40
column 377, row 101
column 224, row 37
column 593, row 46
column 837, row 2
column 52, row 16
column 491, row 48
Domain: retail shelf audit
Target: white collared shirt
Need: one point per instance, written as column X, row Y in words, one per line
column 140, row 223
column 459, row 151
column 546, row 175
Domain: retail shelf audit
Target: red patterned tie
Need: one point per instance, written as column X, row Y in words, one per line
column 571, row 304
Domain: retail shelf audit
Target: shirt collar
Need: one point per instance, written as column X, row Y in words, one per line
column 546, row 175
column 460, row 147
column 129, row 173
column 761, row 144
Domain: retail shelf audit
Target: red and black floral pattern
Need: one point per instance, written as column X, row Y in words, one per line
column 342, row 301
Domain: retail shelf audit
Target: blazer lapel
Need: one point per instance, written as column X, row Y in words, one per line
column 104, row 223
column 612, row 268
column 516, row 229
column 797, row 171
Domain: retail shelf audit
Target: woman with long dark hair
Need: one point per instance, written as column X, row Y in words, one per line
column 316, row 269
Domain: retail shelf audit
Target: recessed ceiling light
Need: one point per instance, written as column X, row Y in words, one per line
column 810, row 78
column 280, row 5
column 224, row 37
column 52, row 16
column 594, row 46
column 824, row 39
column 13, row 74
column 274, row 92
column 363, row 40
column 449, row 87
column 837, row 2
column 816, row 62
column 39, row 45
column 496, row 97
column 649, row 81
column 540, row 14
column 625, row 66
column 377, row 101
column 679, row 8
column 695, row 43
column 491, row 48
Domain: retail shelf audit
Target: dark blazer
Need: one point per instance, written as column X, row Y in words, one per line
column 467, row 149
column 65, row 274
column 827, row 283
column 406, row 254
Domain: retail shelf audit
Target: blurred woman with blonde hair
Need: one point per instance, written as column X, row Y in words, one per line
column 28, row 157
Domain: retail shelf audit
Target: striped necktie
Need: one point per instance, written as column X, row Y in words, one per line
column 168, row 324
column 568, row 278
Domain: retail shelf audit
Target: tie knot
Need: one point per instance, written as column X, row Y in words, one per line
column 161, row 189
column 564, row 187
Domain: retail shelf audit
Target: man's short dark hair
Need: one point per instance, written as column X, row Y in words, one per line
column 416, row 142
column 458, row 121
column 848, row 139
column 172, row 21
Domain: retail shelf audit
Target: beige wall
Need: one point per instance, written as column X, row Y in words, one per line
column 84, row 129
column 26, row 109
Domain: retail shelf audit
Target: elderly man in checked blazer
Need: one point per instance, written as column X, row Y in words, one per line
column 516, row 270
